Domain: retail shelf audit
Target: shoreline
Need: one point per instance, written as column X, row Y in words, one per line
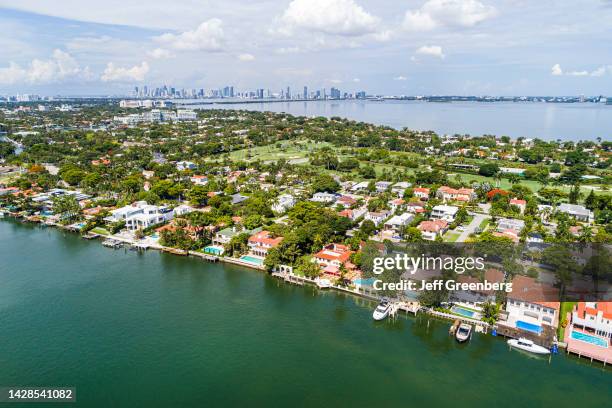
column 291, row 279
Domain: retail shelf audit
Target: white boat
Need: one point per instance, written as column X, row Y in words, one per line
column 463, row 332
column 323, row 283
column 382, row 310
column 527, row 345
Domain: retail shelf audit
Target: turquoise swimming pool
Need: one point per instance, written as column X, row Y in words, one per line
column 252, row 260
column 463, row 311
column 534, row 328
column 213, row 250
column 588, row 338
column 364, row 282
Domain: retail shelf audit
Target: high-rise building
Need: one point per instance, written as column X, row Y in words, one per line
column 305, row 95
column 288, row 94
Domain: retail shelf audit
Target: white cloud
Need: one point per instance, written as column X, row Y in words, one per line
column 448, row 13
column 400, row 78
column 160, row 53
column 335, row 81
column 288, row 50
column 135, row 73
column 60, row 66
column 598, row 72
column 246, row 57
column 337, row 17
column 601, row 71
column 208, row 36
column 356, row 80
column 578, row 73
column 431, row 50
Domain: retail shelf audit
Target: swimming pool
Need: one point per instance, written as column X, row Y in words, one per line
column 587, row 338
column 213, row 250
column 364, row 282
column 534, row 328
column 252, row 260
column 463, row 311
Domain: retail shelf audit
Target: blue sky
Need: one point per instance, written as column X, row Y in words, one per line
column 475, row 47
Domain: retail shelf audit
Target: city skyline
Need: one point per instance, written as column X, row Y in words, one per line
column 425, row 47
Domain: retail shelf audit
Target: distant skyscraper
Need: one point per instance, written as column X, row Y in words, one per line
column 305, row 95
column 288, row 94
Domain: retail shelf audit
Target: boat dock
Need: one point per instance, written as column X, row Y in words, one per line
column 112, row 243
column 544, row 339
column 291, row 278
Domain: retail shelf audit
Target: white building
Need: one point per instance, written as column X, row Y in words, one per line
column 578, row 212
column 325, row 198
column 397, row 222
column 444, row 212
column 595, row 316
column 399, row 188
column 532, row 304
column 283, row 203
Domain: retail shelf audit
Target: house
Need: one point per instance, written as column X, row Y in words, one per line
column 148, row 216
column 590, row 330
column 430, row 230
column 325, row 198
column 382, row 186
column 353, row 214
column 396, row 204
column 261, row 242
column 444, row 212
column 283, row 203
column 476, row 297
column 595, row 317
column 332, row 257
column 422, row 193
column 185, row 165
column 450, row 194
column 415, row 207
column 377, row 217
column 238, row 198
column 532, row 304
column 225, row 235
column 578, row 212
column 513, row 224
column 123, row 213
column 346, row 201
column 521, row 204
column 362, row 186
column 395, row 225
column 399, row 188
column 199, row 180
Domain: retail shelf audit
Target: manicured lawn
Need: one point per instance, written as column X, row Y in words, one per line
column 451, row 236
column 287, row 150
column 484, row 224
column 566, row 307
column 101, row 231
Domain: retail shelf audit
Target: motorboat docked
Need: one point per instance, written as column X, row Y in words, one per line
column 463, row 332
column 382, row 310
column 323, row 283
column 527, row 345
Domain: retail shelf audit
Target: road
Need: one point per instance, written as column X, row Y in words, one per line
column 471, row 228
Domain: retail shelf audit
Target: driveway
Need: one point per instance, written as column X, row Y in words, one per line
column 471, row 228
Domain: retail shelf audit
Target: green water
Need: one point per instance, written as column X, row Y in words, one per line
column 157, row 330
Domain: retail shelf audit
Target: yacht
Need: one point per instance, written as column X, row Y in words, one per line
column 527, row 345
column 382, row 310
column 463, row 332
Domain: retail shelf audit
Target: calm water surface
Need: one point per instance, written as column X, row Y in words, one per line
column 548, row 121
column 156, row 330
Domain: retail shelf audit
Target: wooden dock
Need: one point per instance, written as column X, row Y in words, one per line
column 545, row 339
